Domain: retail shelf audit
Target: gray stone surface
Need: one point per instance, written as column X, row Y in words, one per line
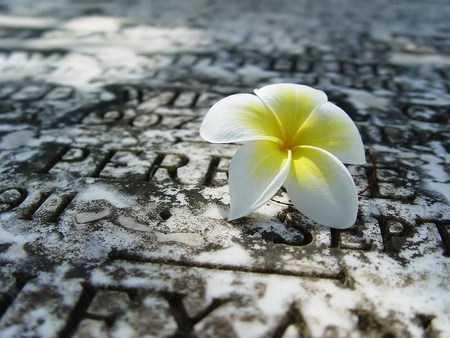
column 112, row 206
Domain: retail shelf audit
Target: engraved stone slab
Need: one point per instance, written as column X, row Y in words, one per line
column 113, row 209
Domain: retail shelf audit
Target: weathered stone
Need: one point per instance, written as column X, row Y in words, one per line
column 113, row 209
column 42, row 308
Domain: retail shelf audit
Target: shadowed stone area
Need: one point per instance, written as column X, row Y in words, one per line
column 113, row 209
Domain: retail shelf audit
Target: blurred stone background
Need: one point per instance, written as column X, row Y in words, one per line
column 112, row 207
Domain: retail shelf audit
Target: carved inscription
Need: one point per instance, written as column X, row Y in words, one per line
column 388, row 233
column 113, row 209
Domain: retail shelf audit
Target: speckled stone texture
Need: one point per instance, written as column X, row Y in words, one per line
column 112, row 208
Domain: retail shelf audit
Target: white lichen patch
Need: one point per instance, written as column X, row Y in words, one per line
column 235, row 255
column 86, row 217
column 16, row 139
column 103, row 192
column 185, row 238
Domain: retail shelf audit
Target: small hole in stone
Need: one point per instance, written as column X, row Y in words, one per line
column 165, row 214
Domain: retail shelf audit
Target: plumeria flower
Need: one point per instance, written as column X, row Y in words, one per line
column 293, row 137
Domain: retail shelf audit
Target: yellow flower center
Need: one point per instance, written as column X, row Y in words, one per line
column 286, row 145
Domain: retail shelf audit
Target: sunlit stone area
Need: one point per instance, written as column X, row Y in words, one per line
column 113, row 209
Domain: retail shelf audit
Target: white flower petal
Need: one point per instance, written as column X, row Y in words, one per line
column 330, row 128
column 257, row 171
column 321, row 188
column 239, row 118
column 291, row 103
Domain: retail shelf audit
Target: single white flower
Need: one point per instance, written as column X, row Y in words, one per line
column 296, row 138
